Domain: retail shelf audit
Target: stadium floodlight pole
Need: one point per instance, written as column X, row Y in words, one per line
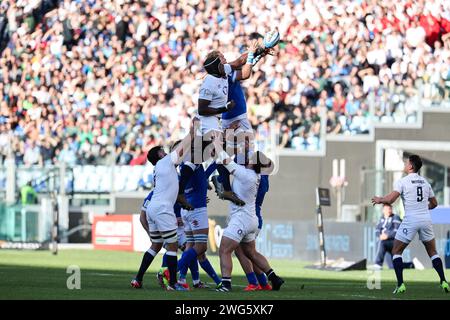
column 55, row 223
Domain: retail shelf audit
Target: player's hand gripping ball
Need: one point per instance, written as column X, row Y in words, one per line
column 271, row 39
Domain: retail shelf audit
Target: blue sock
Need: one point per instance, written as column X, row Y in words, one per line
column 185, row 261
column 193, row 267
column 164, row 262
column 262, row 279
column 206, row 265
column 251, row 278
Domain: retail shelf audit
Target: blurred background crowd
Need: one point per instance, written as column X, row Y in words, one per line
column 93, row 81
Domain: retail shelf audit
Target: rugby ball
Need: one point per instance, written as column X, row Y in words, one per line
column 271, row 39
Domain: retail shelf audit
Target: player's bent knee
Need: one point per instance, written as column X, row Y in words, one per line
column 156, row 246
column 248, row 247
column 228, row 245
column 225, row 249
column 200, row 247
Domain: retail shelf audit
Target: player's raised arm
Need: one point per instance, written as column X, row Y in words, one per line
column 239, row 62
column 205, row 110
column 246, row 70
column 388, row 199
column 184, row 147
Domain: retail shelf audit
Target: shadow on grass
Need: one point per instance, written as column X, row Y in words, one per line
column 22, row 282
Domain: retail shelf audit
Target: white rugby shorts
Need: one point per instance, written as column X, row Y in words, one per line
column 408, row 230
column 196, row 219
column 241, row 227
column 244, row 124
column 160, row 222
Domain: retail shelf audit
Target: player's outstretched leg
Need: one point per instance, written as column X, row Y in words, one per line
column 251, row 270
column 262, row 279
column 226, row 192
column 397, row 261
column 147, row 259
column 227, row 246
column 172, row 247
column 208, row 268
column 196, row 282
column 162, row 281
column 247, row 266
column 430, row 246
column 261, row 262
column 200, row 239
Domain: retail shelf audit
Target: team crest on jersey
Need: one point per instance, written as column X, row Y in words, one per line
column 239, row 231
column 195, row 223
column 405, row 231
column 205, row 91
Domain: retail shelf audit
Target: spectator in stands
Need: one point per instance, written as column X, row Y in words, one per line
column 385, row 231
column 66, row 155
column 105, row 75
column 27, row 194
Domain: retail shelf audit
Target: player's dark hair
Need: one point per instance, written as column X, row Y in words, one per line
column 153, row 154
column 416, row 162
column 212, row 63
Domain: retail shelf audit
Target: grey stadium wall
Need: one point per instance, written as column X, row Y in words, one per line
column 292, row 189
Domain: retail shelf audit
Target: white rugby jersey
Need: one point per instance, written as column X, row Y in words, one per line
column 215, row 89
column 165, row 191
column 415, row 192
column 245, row 185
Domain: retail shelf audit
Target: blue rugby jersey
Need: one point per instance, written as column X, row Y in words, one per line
column 262, row 190
column 235, row 93
column 197, row 187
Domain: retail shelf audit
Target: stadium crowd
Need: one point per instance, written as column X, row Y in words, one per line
column 99, row 77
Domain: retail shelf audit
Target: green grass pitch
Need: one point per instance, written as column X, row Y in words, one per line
column 107, row 275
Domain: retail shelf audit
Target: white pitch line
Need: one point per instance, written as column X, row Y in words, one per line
column 104, row 274
column 359, row 296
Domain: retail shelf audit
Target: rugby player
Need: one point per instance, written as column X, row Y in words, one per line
column 418, row 199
